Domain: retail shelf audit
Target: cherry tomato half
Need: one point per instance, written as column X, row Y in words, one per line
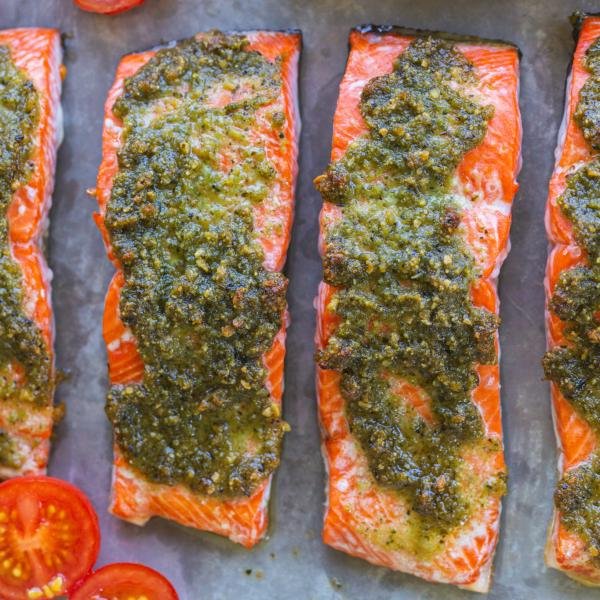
column 49, row 537
column 107, row 7
column 122, row 581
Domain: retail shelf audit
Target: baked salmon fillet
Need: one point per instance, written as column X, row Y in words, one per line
column 414, row 227
column 31, row 125
column 199, row 160
column 572, row 283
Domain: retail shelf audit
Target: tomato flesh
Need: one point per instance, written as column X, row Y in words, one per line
column 125, row 581
column 49, row 537
column 107, row 7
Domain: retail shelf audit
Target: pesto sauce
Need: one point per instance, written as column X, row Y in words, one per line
column 9, row 455
column 405, row 275
column 577, row 497
column 587, row 113
column 581, row 205
column 197, row 298
column 575, row 368
column 22, row 346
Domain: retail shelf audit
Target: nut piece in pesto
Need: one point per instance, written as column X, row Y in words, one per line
column 403, row 276
column 201, row 305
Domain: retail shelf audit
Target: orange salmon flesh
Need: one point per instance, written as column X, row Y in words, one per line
column 576, row 438
column 358, row 511
column 38, row 53
column 134, row 498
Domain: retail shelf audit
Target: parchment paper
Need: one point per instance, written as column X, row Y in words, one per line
column 293, row 563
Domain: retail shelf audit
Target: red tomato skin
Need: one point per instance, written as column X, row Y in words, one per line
column 55, row 487
column 107, row 7
column 155, row 585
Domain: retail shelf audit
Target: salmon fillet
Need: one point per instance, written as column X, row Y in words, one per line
column 577, row 440
column 37, row 53
column 135, row 499
column 360, row 514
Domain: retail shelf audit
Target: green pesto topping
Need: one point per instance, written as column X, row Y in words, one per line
column 577, row 497
column 587, row 114
column 580, row 203
column 576, row 372
column 405, row 275
column 197, row 298
column 9, row 455
column 23, row 351
column 575, row 367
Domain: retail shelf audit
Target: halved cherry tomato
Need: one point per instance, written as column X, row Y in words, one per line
column 107, row 7
column 49, row 537
column 122, row 581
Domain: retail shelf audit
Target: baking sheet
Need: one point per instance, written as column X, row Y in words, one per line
column 293, row 563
